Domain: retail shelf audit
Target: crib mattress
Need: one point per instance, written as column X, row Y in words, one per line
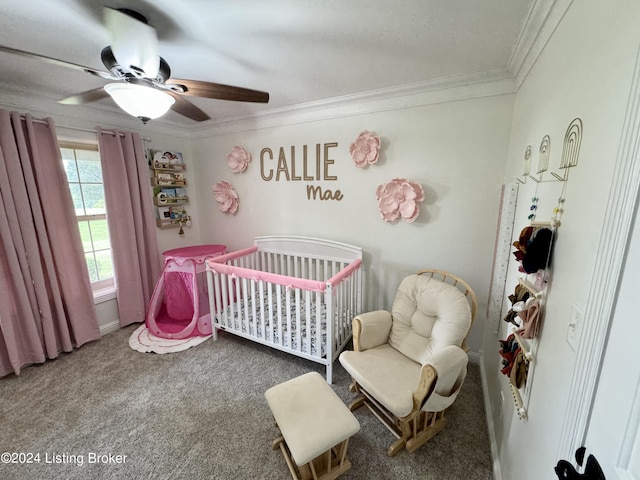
column 236, row 315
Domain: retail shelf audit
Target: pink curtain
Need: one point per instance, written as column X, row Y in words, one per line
column 132, row 229
column 46, row 302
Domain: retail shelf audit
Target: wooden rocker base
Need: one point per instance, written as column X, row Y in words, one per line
column 327, row 466
column 425, row 435
column 357, row 403
column 411, row 431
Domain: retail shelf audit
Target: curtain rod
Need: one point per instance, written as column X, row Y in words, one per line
column 88, row 130
column 110, row 132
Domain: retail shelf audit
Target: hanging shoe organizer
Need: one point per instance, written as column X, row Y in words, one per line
column 533, row 254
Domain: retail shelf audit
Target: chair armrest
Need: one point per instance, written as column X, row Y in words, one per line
column 441, row 378
column 370, row 330
column 428, row 378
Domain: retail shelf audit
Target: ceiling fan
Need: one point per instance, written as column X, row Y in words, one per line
column 141, row 82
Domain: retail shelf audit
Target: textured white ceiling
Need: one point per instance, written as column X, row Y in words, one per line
column 298, row 50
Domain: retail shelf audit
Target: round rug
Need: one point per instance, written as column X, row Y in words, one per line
column 144, row 341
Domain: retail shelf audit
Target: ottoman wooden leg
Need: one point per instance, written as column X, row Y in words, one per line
column 275, row 445
column 328, row 466
column 331, row 464
column 280, row 443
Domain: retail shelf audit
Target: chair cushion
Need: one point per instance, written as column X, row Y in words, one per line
column 428, row 315
column 386, row 374
column 311, row 417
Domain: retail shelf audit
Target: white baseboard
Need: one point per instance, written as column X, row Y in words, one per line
column 475, row 357
column 109, row 327
column 495, row 454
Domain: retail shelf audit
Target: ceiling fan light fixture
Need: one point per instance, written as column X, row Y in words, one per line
column 140, row 101
column 134, row 42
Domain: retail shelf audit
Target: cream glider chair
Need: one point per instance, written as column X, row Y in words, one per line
column 408, row 364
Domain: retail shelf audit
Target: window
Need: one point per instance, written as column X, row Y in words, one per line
column 84, row 174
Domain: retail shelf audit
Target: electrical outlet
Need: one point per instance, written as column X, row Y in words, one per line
column 573, row 329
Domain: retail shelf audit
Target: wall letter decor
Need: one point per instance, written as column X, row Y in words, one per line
column 298, row 168
column 264, row 151
column 317, row 193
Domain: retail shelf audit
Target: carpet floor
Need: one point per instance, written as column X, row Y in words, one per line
column 106, row 411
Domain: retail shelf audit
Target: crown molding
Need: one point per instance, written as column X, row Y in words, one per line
column 543, row 18
column 440, row 90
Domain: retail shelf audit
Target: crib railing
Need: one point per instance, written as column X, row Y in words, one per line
column 279, row 299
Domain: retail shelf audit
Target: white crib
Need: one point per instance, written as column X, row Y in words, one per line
column 282, row 291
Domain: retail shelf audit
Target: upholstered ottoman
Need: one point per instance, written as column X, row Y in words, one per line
column 315, row 425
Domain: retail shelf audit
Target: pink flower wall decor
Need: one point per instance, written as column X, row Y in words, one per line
column 399, row 198
column 238, row 159
column 366, row 149
column 226, row 197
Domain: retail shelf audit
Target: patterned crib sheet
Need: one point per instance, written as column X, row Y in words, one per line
column 235, row 322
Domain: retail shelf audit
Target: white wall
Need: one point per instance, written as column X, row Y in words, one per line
column 456, row 150
column 585, row 71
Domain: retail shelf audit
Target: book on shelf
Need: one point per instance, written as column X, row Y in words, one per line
column 169, row 196
column 166, row 182
column 166, row 159
column 164, row 213
column 177, row 213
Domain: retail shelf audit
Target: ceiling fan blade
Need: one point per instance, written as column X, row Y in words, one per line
column 219, row 91
column 85, row 97
column 186, row 108
column 135, row 43
column 55, row 61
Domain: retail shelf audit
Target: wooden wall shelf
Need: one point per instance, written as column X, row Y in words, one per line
column 169, row 189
